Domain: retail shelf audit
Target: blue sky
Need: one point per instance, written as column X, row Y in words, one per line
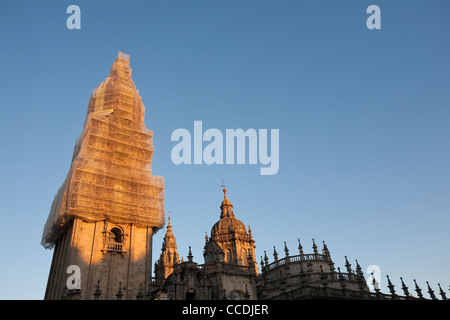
column 363, row 118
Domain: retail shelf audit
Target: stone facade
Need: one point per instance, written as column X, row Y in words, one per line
column 285, row 277
column 104, row 255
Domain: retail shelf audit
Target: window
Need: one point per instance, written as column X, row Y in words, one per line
column 115, row 240
column 229, row 256
column 116, row 235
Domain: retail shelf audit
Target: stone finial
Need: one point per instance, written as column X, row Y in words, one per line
column 119, row 293
column 140, row 295
column 98, row 292
column 442, row 293
column 348, row 265
column 325, row 250
column 431, row 292
column 404, row 288
column 358, row 269
column 286, row 250
column 314, row 247
column 190, row 256
column 418, row 290
column 300, row 247
column 390, row 286
column 275, row 254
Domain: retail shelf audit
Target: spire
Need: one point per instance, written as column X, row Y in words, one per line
column 121, row 67
column 348, row 265
column 358, row 269
column 226, row 208
column 300, row 247
column 442, row 293
column 315, row 247
column 286, row 250
column 391, row 286
column 190, row 256
column 418, row 290
column 404, row 288
column 266, row 259
column 275, row 254
column 431, row 292
column 169, row 256
column 325, row 250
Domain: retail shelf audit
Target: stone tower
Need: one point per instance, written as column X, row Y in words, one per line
column 169, row 256
column 232, row 237
column 103, row 218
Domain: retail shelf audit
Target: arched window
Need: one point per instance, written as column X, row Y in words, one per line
column 116, row 235
column 115, row 240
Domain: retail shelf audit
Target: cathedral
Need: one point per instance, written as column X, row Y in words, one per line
column 103, row 218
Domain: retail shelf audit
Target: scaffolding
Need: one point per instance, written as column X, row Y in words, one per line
column 110, row 175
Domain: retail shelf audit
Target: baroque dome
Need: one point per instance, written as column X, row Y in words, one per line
column 227, row 223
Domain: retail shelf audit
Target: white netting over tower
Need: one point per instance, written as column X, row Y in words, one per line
column 110, row 175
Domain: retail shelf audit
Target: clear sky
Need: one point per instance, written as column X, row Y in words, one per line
column 363, row 118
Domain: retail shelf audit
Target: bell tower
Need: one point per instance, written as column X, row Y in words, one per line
column 169, row 256
column 103, row 217
column 231, row 235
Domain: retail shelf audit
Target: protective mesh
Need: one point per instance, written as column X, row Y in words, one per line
column 110, row 175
